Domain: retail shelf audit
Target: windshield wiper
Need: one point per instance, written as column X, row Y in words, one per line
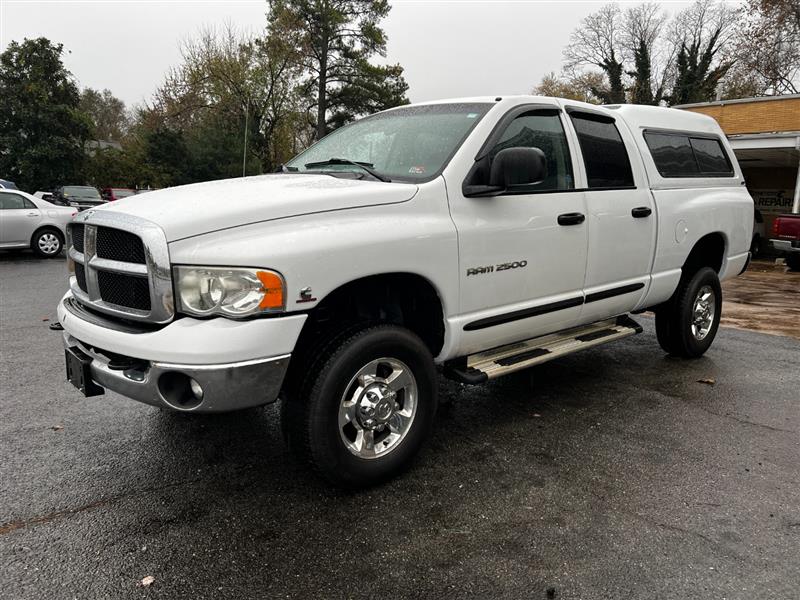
column 346, row 161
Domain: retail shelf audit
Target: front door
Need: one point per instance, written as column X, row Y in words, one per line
column 522, row 255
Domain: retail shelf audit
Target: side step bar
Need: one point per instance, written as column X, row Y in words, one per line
column 514, row 357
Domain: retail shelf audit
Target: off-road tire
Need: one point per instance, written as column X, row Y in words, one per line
column 311, row 412
column 674, row 318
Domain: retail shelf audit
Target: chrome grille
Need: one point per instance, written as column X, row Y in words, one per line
column 121, row 266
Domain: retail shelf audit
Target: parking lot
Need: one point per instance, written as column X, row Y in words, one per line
column 615, row 473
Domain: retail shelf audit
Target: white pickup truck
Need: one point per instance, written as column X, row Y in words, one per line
column 475, row 236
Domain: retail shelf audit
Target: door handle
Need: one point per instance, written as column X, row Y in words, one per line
column 33, row 214
column 641, row 212
column 571, row 218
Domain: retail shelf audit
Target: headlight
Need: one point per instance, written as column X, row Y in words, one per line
column 206, row 291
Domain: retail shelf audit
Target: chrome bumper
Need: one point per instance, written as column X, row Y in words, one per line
column 225, row 387
column 785, row 245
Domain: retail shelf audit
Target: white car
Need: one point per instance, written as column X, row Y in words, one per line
column 30, row 222
column 478, row 237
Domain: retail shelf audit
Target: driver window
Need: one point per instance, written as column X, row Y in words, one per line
column 544, row 131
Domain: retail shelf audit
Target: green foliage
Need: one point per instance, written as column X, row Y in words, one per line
column 107, row 113
column 334, row 40
column 42, row 130
column 696, row 79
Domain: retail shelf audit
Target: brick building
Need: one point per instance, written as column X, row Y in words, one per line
column 765, row 136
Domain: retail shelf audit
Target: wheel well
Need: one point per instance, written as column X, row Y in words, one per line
column 52, row 228
column 399, row 298
column 707, row 252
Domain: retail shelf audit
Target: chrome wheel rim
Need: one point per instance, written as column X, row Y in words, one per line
column 378, row 408
column 49, row 243
column 703, row 312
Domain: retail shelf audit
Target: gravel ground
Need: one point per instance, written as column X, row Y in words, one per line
column 614, row 473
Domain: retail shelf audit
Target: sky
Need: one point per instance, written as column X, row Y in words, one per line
column 448, row 48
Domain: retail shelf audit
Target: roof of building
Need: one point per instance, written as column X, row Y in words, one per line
column 739, row 101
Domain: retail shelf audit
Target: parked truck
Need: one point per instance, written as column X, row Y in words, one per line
column 786, row 239
column 474, row 237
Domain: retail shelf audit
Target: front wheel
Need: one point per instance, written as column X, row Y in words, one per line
column 687, row 324
column 47, row 243
column 366, row 406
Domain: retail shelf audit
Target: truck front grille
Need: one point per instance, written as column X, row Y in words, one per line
column 77, row 237
column 124, row 290
column 121, row 266
column 80, row 276
column 116, row 244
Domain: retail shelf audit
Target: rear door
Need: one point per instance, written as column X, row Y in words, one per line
column 621, row 216
column 19, row 218
column 521, row 267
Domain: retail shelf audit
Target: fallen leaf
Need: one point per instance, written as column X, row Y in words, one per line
column 57, row 427
column 708, row 381
column 147, row 581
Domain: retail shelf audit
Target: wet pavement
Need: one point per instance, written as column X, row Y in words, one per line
column 615, row 473
column 764, row 298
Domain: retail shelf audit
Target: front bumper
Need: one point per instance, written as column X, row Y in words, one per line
column 225, row 387
column 238, row 364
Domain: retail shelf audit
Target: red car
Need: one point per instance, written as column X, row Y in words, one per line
column 111, row 194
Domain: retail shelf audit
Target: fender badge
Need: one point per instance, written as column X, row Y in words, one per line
column 306, row 296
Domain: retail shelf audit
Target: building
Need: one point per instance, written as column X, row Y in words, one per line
column 765, row 136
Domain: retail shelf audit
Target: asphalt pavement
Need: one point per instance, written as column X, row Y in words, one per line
column 614, row 473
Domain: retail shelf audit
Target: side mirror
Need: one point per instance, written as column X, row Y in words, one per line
column 517, row 166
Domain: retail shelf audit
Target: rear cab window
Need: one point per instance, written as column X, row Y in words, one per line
column 688, row 155
column 605, row 156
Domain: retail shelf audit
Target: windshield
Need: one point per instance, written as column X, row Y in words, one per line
column 406, row 144
column 122, row 193
column 89, row 193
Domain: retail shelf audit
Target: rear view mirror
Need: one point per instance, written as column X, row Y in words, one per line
column 517, row 166
column 511, row 168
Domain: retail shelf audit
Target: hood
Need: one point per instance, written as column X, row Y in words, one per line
column 200, row 208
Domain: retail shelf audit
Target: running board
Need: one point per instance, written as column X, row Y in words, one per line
column 515, row 357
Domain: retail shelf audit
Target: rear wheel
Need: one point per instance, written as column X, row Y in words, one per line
column 793, row 261
column 365, row 407
column 755, row 246
column 47, row 243
column 687, row 324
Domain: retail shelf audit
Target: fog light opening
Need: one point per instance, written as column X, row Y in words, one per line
column 180, row 391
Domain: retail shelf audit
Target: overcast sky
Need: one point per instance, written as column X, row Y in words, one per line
column 448, row 48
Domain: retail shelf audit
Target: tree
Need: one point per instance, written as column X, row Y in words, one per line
column 642, row 28
column 704, row 32
column 575, row 86
column 336, row 39
column 767, row 51
column 108, row 115
column 229, row 81
column 597, row 43
column 42, row 130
